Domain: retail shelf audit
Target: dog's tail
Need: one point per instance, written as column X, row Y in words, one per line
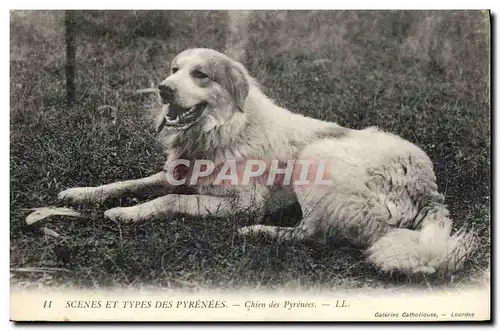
column 428, row 250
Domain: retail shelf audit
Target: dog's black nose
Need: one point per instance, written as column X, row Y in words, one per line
column 167, row 92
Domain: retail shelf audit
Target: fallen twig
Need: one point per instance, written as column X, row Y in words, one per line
column 50, row 232
column 39, row 269
column 43, row 212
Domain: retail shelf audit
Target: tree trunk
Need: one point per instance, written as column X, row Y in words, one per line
column 237, row 37
column 69, row 22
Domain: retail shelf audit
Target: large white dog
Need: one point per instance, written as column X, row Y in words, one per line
column 381, row 192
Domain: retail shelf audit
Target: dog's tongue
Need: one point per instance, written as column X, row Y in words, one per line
column 173, row 112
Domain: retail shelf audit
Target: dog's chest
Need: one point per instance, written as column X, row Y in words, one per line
column 200, row 171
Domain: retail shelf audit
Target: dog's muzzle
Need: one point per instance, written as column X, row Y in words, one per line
column 177, row 117
column 167, row 93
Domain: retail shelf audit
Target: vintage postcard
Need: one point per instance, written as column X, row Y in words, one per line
column 229, row 165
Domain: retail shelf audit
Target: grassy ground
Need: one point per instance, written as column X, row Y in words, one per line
column 422, row 75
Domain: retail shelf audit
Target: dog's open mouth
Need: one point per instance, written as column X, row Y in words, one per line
column 178, row 117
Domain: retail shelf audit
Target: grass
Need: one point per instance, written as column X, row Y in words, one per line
column 422, row 75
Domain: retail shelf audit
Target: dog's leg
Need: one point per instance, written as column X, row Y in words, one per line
column 150, row 185
column 307, row 230
column 175, row 204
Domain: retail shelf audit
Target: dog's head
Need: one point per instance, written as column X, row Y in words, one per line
column 203, row 86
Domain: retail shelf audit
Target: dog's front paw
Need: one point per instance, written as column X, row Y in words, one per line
column 78, row 195
column 123, row 214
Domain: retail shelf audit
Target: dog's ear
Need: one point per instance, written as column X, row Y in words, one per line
column 236, row 82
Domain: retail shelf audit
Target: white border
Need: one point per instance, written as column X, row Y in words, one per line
column 186, row 4
column 252, row 4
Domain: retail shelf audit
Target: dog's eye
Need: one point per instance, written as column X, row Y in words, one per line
column 198, row 74
column 174, row 70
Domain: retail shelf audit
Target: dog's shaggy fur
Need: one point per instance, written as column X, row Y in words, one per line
column 384, row 196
